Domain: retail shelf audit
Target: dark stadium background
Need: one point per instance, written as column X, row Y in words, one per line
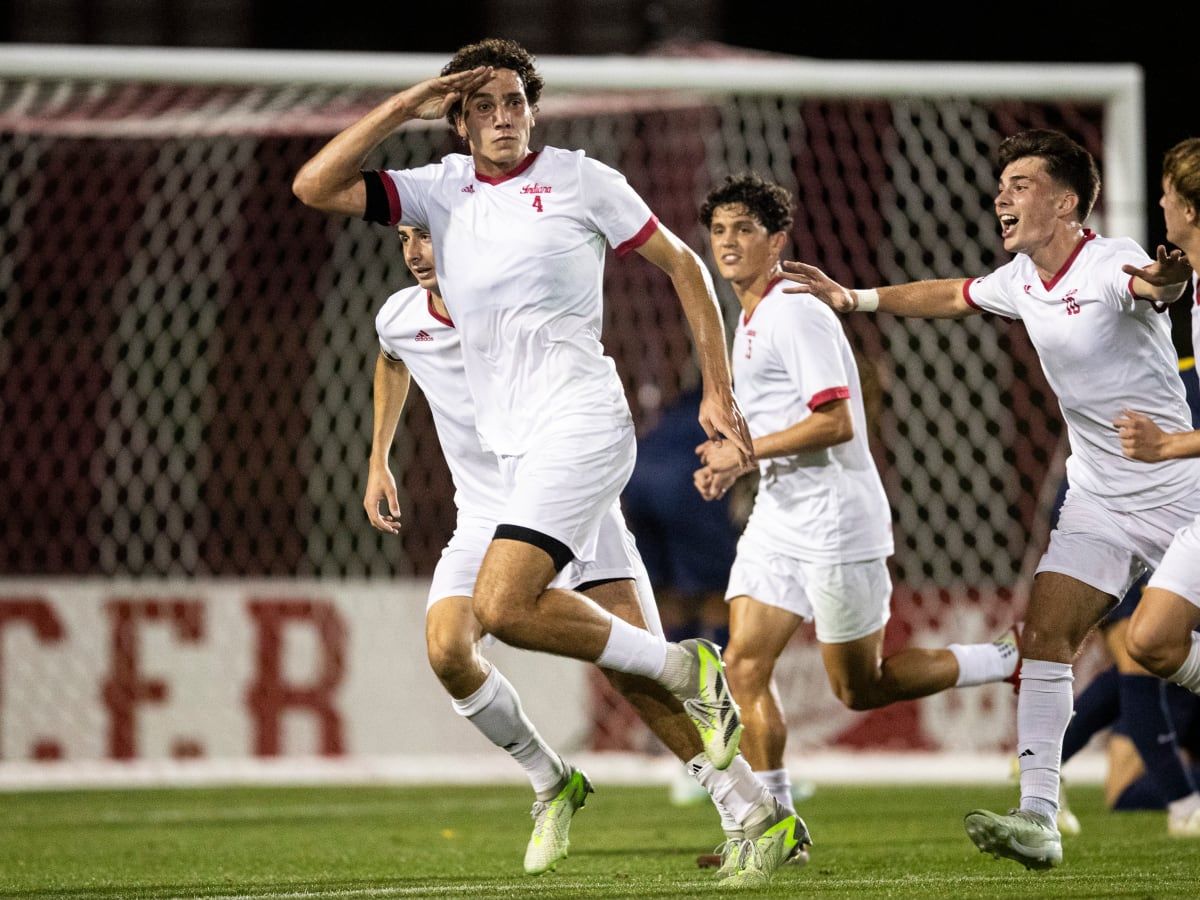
column 1157, row 37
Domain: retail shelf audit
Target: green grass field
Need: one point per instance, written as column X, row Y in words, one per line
column 628, row 842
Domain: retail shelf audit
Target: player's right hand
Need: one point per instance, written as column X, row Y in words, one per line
column 811, row 280
column 381, row 488
column 432, row 98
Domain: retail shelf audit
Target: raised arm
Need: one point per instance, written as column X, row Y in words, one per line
column 1164, row 279
column 391, row 390
column 331, row 182
column 720, row 416
column 934, row 299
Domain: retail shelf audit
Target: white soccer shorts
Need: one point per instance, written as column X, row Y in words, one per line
column 564, row 487
column 617, row 557
column 1109, row 549
column 847, row 601
column 1179, row 571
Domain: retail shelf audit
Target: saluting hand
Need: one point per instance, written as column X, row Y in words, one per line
column 432, row 98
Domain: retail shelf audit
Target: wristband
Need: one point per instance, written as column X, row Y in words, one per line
column 867, row 298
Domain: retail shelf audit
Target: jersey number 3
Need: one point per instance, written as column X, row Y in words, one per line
column 537, row 203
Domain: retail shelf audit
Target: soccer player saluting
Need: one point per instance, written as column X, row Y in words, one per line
column 1104, row 346
column 817, row 541
column 1162, row 633
column 418, row 340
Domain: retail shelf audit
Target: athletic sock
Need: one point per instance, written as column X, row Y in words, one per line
column 1149, row 725
column 633, row 650
column 1189, row 673
column 495, row 709
column 777, row 782
column 1095, row 709
column 679, row 671
column 736, row 789
column 1043, row 711
column 983, row 663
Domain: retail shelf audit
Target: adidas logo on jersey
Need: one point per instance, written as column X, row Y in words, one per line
column 469, row 189
column 423, row 335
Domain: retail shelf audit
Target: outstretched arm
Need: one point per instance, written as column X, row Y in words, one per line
column 1142, row 439
column 331, row 182
column 1164, row 279
column 934, row 299
column 391, row 390
column 720, row 416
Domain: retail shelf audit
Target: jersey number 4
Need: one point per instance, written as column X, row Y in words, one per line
column 537, row 203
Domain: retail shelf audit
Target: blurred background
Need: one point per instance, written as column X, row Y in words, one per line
column 185, row 353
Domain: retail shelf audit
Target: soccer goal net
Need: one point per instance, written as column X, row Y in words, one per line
column 185, row 382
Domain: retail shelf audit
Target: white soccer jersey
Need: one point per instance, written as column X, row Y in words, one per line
column 1103, row 350
column 826, row 506
column 411, row 331
column 521, row 261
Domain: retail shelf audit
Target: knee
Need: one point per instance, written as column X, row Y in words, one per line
column 451, row 656
column 1146, row 649
column 747, row 671
column 856, row 698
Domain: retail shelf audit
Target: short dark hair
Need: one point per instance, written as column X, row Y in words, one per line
column 499, row 53
column 1181, row 167
column 766, row 201
column 1067, row 163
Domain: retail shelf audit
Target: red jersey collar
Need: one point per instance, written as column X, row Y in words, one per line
column 433, row 310
column 1088, row 234
column 524, row 164
column 770, row 287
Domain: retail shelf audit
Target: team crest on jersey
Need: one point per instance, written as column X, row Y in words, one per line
column 1072, row 303
column 423, row 335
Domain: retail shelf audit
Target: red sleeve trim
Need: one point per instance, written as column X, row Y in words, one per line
column 967, row 295
column 828, row 396
column 394, row 208
column 1156, row 305
column 644, row 234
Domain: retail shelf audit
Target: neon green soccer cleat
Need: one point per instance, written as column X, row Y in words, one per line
column 711, row 707
column 760, row 858
column 552, row 824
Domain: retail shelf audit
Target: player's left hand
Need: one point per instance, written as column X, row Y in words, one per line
column 1168, row 269
column 711, row 484
column 723, row 422
column 1140, row 437
column 722, row 457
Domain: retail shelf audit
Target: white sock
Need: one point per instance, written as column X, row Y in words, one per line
column 633, row 650
column 495, row 709
column 1044, row 708
column 1189, row 673
column 1184, row 806
column 736, row 789
column 679, row 671
column 777, row 782
column 983, row 663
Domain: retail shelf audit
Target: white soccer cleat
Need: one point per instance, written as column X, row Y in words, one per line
column 552, row 823
column 1024, row 836
column 1187, row 826
column 710, row 705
